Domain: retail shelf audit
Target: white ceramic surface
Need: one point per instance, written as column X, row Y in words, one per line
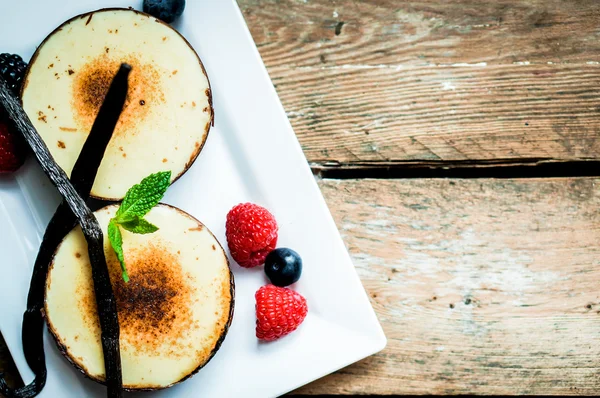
column 251, row 155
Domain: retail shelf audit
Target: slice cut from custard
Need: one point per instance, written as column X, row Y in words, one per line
column 168, row 111
column 173, row 314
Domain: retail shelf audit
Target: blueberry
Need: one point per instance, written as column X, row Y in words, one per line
column 167, row 10
column 283, row 267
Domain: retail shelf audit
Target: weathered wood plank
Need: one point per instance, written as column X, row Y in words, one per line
column 444, row 113
column 434, row 80
column 482, row 286
column 389, row 32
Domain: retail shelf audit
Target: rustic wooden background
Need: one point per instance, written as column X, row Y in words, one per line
column 483, row 285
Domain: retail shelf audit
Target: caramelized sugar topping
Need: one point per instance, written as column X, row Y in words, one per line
column 93, row 80
column 154, row 307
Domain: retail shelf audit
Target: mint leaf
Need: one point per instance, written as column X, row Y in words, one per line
column 127, row 218
column 141, row 198
column 139, row 226
column 116, row 241
column 138, row 201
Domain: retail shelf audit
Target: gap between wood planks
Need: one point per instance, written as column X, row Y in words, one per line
column 497, row 168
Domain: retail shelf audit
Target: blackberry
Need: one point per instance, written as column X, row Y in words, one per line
column 12, row 69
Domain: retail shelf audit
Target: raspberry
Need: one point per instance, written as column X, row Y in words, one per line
column 251, row 234
column 279, row 311
column 12, row 149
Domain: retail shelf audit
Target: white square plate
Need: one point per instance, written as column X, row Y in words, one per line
column 251, row 155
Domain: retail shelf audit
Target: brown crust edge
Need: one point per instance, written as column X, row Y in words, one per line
column 62, row 348
column 211, row 121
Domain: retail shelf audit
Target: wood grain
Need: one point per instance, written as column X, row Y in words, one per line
column 434, row 80
column 482, row 286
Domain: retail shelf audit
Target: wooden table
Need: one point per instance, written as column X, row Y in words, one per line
column 486, row 281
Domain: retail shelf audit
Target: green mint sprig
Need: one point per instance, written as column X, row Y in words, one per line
column 138, row 201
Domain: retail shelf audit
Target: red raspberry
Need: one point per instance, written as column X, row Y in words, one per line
column 251, row 234
column 279, row 311
column 12, row 149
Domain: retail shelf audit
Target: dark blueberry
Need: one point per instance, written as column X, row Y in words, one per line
column 283, row 267
column 12, row 69
column 167, row 10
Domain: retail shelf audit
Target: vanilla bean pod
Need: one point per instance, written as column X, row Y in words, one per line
column 72, row 209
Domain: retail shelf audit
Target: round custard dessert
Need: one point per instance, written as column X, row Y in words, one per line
column 173, row 313
column 168, row 111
